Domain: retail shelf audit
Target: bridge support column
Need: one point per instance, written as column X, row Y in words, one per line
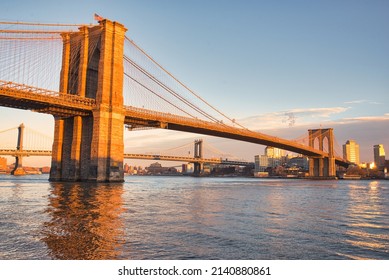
column 198, row 153
column 18, row 169
column 91, row 148
column 197, row 168
column 322, row 167
column 56, row 152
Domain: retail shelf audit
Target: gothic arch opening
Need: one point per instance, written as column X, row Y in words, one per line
column 325, row 144
column 316, row 143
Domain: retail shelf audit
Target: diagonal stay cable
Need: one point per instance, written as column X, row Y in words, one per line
column 158, row 95
column 168, row 89
column 191, row 91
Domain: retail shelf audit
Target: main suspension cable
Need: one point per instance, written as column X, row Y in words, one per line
column 183, row 85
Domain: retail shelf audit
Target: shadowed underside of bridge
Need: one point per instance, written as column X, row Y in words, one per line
column 90, row 110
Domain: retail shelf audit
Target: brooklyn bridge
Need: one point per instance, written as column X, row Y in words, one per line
column 95, row 81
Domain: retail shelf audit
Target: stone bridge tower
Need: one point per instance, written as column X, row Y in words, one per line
column 323, row 167
column 198, row 153
column 90, row 147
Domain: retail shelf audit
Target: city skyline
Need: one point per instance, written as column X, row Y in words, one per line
column 279, row 69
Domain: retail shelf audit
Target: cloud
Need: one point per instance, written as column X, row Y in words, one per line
column 375, row 103
column 356, row 101
column 320, row 112
column 384, row 117
column 299, row 116
column 361, row 101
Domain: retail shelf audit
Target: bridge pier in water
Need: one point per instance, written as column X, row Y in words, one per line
column 322, row 167
column 90, row 147
column 198, row 153
column 18, row 169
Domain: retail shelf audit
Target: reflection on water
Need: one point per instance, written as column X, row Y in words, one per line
column 194, row 218
column 84, row 221
column 367, row 207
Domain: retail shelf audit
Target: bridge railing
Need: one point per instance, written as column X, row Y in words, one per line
column 12, row 87
column 24, row 153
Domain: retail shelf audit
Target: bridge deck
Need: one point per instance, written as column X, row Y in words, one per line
column 175, row 122
column 51, row 102
column 44, row 101
column 24, row 153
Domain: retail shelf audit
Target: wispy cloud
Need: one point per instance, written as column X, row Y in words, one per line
column 356, row 101
column 362, row 101
column 375, row 103
column 368, row 118
column 299, row 116
column 319, row 112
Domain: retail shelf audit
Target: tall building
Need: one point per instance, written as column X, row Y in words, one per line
column 272, row 152
column 379, row 156
column 273, row 157
column 351, row 151
column 261, row 163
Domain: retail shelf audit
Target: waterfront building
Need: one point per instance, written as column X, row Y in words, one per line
column 256, row 163
column 274, row 162
column 261, row 163
column 126, row 168
column 379, row 156
column 351, row 151
column 45, row 170
column 301, row 162
column 272, row 152
column 273, row 157
column 3, row 164
column 157, row 169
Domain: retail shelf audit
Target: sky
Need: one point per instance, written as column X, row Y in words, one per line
column 279, row 67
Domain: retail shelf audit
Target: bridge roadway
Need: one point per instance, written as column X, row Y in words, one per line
column 27, row 153
column 25, row 97
column 24, row 153
column 44, row 101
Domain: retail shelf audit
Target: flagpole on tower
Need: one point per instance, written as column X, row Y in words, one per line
column 98, row 18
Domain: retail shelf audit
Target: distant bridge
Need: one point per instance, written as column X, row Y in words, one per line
column 189, row 159
column 24, row 153
column 28, row 153
column 19, row 136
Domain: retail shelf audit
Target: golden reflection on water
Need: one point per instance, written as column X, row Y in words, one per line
column 365, row 208
column 84, row 221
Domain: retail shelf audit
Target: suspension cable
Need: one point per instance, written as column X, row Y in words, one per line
column 158, row 95
column 168, row 89
column 187, row 88
column 43, row 24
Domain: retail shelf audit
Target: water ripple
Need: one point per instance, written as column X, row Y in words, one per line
column 194, row 218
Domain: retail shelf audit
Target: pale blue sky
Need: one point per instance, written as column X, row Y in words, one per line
column 257, row 61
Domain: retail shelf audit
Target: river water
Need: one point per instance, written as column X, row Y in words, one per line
column 193, row 218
